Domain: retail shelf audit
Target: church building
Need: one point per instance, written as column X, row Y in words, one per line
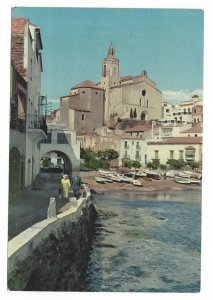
column 124, row 95
column 89, row 106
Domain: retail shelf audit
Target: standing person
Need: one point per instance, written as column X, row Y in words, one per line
column 66, row 187
column 76, row 185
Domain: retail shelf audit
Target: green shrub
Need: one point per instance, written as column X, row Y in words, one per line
column 176, row 164
column 153, row 165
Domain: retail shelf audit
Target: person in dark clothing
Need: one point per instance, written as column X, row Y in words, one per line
column 76, row 185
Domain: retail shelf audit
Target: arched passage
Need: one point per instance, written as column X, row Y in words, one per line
column 65, row 164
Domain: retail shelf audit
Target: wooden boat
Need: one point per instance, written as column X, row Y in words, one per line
column 100, row 179
column 192, row 174
column 125, row 178
column 105, row 172
column 107, row 179
column 182, row 180
column 140, row 174
column 153, row 175
column 182, row 174
column 114, row 178
column 136, row 183
column 169, row 173
column 195, row 181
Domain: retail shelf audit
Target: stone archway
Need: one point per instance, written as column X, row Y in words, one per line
column 16, row 172
column 67, row 164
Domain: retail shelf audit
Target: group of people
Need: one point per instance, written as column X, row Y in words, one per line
column 66, row 186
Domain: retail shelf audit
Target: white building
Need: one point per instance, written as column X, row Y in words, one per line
column 178, row 148
column 181, row 113
column 25, row 53
column 133, row 148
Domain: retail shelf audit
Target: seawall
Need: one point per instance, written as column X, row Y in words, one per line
column 52, row 255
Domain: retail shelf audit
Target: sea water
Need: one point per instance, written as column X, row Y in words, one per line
column 146, row 243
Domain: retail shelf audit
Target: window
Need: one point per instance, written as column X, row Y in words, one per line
column 167, row 110
column 96, row 93
column 144, row 93
column 180, row 154
column 104, row 75
column 138, row 145
column 83, row 92
column 156, row 154
column 140, row 102
column 62, row 138
column 132, row 142
column 125, row 144
column 171, row 154
column 137, row 155
column 190, row 154
column 82, row 117
column 147, row 103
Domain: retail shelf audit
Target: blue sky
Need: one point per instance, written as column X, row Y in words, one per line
column 167, row 43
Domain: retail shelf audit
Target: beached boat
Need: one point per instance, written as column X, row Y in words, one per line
column 195, row 181
column 140, row 174
column 182, row 174
column 100, row 179
column 169, row 173
column 125, row 178
column 136, row 183
column 153, row 175
column 105, row 172
column 107, row 179
column 182, row 180
column 192, row 174
column 114, row 178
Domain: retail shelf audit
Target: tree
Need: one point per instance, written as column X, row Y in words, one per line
column 108, row 154
column 131, row 114
column 135, row 114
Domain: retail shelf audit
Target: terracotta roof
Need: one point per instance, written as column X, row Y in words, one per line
column 87, row 84
column 130, row 137
column 178, row 140
column 196, row 129
column 126, row 78
column 139, row 128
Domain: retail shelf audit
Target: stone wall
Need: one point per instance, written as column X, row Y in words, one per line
column 58, row 261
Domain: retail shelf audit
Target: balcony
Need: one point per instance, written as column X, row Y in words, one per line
column 36, row 127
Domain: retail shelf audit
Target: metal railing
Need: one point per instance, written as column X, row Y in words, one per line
column 36, row 122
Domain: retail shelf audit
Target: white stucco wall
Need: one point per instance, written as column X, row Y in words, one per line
column 164, row 152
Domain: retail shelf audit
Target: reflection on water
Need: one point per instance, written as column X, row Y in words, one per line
column 146, row 243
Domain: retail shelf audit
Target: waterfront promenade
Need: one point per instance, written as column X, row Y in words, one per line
column 31, row 207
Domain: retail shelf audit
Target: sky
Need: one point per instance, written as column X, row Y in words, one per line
column 167, row 43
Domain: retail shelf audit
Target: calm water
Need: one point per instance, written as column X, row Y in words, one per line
column 146, row 243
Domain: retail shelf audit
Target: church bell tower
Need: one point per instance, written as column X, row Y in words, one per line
column 110, row 70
